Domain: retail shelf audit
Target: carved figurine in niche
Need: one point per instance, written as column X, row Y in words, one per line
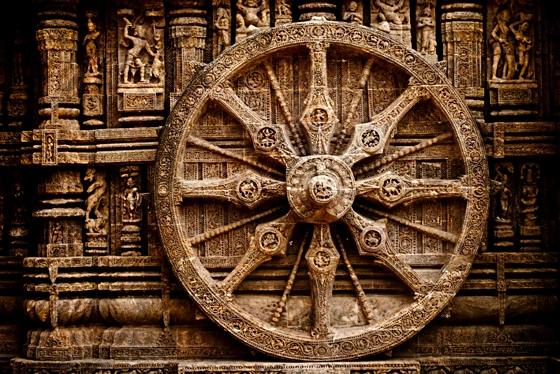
column 90, row 41
column 96, row 204
column 222, row 29
column 157, row 64
column 524, row 44
column 132, row 199
column 283, row 12
column 426, row 26
column 529, row 195
column 134, row 63
column 56, row 234
column 504, row 200
column 393, row 10
column 352, row 15
column 502, row 43
column 530, row 174
column 253, row 14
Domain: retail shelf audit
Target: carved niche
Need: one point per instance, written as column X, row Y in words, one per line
column 365, row 227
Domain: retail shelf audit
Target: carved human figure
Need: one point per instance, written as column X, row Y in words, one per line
column 383, row 24
column 49, row 151
column 90, row 41
column 529, row 200
column 524, row 44
column 56, row 234
column 132, row 199
column 427, row 30
column 139, row 44
column 502, row 44
column 504, row 200
column 352, row 15
column 222, row 29
column 282, row 8
column 252, row 12
column 241, row 30
column 392, row 9
column 157, row 64
column 95, row 223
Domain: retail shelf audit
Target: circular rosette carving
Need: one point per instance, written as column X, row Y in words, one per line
column 320, row 191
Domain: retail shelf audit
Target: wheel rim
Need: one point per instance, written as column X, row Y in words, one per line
column 299, row 173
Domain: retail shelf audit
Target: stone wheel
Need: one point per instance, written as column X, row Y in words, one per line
column 277, row 224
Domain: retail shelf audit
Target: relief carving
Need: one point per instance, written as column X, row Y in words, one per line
column 322, row 186
column 392, row 16
column 131, row 200
column 320, row 191
column 92, row 99
column 426, row 30
column 283, row 12
column 503, row 228
column 141, row 62
column 222, row 32
column 96, row 215
column 530, row 228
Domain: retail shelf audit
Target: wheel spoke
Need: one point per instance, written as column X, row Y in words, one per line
column 284, row 106
column 359, row 93
column 269, row 139
column 227, row 228
column 284, row 299
column 247, row 188
column 430, row 231
column 390, row 189
column 270, row 239
column 224, row 152
column 371, row 239
column 370, row 138
column 319, row 118
column 401, row 153
column 362, row 299
column 322, row 259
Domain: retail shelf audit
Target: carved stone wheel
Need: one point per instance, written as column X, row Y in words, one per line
column 321, row 191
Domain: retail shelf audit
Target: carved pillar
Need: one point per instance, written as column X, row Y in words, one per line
column 57, row 38
column 187, row 29
column 61, row 215
column 462, row 50
column 141, row 57
column 308, row 9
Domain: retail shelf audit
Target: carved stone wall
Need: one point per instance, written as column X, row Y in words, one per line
column 279, row 186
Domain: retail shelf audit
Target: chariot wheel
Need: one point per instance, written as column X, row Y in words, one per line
column 321, row 191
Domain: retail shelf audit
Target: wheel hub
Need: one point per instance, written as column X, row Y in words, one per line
column 320, row 189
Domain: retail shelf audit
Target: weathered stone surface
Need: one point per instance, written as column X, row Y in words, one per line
column 244, row 186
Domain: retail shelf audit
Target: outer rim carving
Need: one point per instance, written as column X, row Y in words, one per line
column 389, row 332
